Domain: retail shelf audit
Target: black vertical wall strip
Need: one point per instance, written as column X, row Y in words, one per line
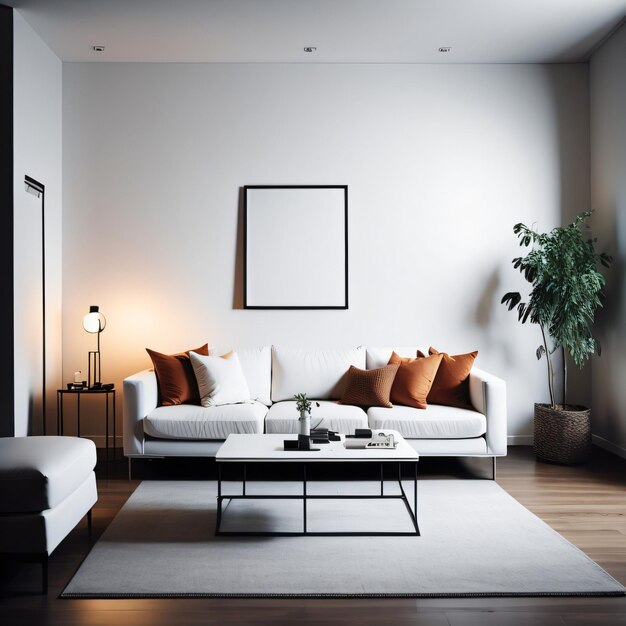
column 7, row 376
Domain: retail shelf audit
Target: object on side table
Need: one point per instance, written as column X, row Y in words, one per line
column 94, row 322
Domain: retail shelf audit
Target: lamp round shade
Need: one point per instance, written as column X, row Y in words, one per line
column 94, row 321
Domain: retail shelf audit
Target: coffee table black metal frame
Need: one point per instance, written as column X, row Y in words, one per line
column 305, row 497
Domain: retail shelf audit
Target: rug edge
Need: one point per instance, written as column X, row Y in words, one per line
column 339, row 596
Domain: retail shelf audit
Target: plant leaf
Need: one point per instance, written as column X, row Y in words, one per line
column 512, row 299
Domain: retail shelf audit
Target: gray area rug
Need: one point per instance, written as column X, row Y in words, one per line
column 476, row 541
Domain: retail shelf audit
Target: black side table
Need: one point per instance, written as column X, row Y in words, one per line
column 61, row 393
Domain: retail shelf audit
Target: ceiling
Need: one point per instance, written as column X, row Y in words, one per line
column 343, row 31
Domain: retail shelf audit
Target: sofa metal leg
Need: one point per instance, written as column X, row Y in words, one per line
column 89, row 523
column 493, row 467
column 130, row 471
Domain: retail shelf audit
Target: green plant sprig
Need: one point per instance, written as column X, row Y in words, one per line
column 303, row 403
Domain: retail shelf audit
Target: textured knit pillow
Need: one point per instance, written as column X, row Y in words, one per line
column 451, row 384
column 175, row 377
column 414, row 379
column 220, row 379
column 369, row 387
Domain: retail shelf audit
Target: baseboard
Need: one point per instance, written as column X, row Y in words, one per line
column 601, row 442
column 519, row 440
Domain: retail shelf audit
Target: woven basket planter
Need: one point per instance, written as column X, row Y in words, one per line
column 562, row 436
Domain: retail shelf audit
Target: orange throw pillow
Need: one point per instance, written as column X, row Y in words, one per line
column 175, row 376
column 451, row 385
column 367, row 388
column 414, row 379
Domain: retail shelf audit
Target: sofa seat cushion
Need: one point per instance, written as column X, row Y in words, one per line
column 187, row 421
column 435, row 422
column 38, row 473
column 343, row 418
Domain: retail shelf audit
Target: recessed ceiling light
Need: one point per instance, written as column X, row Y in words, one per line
column 310, row 48
column 445, row 49
column 97, row 48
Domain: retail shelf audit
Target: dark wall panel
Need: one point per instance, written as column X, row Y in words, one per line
column 7, row 374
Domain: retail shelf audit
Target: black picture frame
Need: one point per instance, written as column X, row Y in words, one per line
column 295, row 248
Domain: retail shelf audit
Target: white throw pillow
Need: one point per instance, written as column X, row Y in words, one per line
column 220, row 380
column 256, row 364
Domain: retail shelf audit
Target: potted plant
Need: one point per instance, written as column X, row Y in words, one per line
column 562, row 269
column 303, row 406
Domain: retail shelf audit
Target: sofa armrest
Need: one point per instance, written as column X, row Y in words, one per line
column 488, row 396
column 140, row 398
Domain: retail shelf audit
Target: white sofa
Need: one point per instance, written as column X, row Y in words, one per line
column 274, row 374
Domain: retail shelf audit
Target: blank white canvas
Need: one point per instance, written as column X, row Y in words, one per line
column 296, row 252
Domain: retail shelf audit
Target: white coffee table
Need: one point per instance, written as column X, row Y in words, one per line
column 258, row 448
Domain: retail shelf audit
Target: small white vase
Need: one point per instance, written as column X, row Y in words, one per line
column 305, row 423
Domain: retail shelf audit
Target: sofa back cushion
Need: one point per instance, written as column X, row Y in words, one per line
column 256, row 364
column 379, row 357
column 318, row 373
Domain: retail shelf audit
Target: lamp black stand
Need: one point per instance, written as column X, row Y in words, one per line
column 93, row 369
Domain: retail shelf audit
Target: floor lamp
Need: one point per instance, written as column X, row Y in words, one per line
column 37, row 189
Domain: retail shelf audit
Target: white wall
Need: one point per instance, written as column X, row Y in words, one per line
column 441, row 162
column 608, row 187
column 37, row 152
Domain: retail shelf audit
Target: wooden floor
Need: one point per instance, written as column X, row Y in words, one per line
column 587, row 504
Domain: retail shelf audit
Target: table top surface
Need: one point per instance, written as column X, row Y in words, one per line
column 86, row 390
column 259, row 447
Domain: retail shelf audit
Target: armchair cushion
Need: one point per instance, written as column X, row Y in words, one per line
column 38, row 473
